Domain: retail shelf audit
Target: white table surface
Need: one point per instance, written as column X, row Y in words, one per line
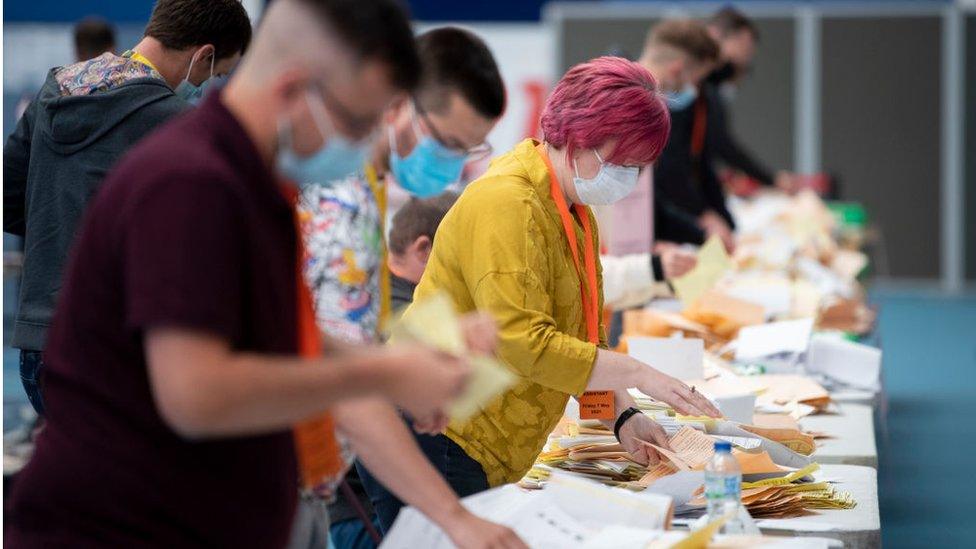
column 852, row 435
column 859, row 527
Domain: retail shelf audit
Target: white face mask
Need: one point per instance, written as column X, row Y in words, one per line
column 610, row 184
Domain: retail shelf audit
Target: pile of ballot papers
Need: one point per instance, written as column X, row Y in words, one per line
column 787, row 496
column 776, row 477
column 573, row 513
column 790, row 262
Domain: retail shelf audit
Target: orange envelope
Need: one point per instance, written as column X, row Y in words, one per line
column 724, row 314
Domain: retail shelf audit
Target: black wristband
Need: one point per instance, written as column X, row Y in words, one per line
column 657, row 268
column 627, row 414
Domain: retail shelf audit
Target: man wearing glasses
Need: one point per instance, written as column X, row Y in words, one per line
column 424, row 144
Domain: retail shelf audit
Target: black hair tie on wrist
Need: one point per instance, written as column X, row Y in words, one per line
column 626, row 415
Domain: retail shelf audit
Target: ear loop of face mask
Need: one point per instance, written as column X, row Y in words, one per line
column 598, row 157
column 213, row 58
column 285, row 129
column 418, row 132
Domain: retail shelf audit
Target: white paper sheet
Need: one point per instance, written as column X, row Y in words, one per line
column 739, row 408
column 678, row 357
column 788, row 336
column 850, row 363
column 569, row 513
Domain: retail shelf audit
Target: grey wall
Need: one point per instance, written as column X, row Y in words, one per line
column 880, row 117
column 880, row 113
column 762, row 113
column 763, row 110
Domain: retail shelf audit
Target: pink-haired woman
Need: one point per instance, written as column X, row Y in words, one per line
column 521, row 243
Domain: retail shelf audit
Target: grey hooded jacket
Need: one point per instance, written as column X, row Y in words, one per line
column 81, row 122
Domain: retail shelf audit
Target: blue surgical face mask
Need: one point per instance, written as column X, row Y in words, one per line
column 611, row 183
column 681, row 100
column 191, row 92
column 338, row 157
column 428, row 169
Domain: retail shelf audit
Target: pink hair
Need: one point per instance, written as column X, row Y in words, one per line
column 603, row 99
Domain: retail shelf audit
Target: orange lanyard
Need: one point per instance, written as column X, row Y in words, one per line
column 316, row 447
column 591, row 302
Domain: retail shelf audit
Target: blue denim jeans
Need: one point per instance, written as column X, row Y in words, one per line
column 31, row 365
column 463, row 473
column 351, row 534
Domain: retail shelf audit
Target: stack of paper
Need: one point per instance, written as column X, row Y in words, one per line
column 603, row 459
column 846, row 315
column 571, row 513
column 723, row 314
column 774, row 338
column 849, row 363
column 785, row 393
column 788, row 496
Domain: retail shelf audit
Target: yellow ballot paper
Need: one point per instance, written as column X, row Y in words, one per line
column 712, row 264
column 434, row 322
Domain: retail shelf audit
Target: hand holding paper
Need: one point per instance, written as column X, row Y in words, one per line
column 434, row 322
column 636, row 433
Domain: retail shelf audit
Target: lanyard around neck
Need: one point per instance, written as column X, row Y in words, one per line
column 591, row 307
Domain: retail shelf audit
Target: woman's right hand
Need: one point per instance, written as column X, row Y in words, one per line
column 422, row 380
column 684, row 399
column 468, row 531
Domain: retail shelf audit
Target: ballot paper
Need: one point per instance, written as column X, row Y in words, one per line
column 788, row 336
column 717, row 309
column 773, row 292
column 678, row 357
column 850, row 363
column 780, row 452
column 433, row 321
column 690, row 449
column 788, row 390
column 713, row 263
column 827, row 281
column 848, row 264
column 570, row 513
column 746, row 443
column 738, row 408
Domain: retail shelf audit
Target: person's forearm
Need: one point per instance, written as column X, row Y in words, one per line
column 384, row 444
column 253, row 394
column 613, row 371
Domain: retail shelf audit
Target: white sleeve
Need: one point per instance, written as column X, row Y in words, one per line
column 628, row 281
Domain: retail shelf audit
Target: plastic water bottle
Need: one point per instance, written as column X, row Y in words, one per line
column 723, row 487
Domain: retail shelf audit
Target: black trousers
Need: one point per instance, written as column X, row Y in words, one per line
column 463, row 473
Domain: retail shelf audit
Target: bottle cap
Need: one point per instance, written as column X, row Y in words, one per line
column 723, row 446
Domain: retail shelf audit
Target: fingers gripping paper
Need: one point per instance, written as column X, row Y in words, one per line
column 712, row 264
column 434, row 322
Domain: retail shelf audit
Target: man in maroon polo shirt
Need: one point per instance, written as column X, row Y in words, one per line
column 173, row 377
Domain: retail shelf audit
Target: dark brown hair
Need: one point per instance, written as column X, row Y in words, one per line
column 419, row 217
column 686, row 35
column 180, row 24
column 729, row 20
column 378, row 30
column 454, row 59
column 93, row 37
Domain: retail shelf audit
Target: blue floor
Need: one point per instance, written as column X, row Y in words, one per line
column 928, row 454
